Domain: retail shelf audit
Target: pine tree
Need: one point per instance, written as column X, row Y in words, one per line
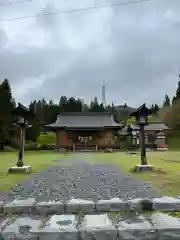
column 63, row 104
column 156, row 108
column 6, row 106
column 95, row 106
column 177, row 96
column 33, row 132
column 178, row 90
column 167, row 101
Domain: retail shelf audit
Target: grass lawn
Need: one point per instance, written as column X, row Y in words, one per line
column 38, row 160
column 48, row 138
column 167, row 164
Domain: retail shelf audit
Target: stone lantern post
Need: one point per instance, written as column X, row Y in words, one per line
column 23, row 115
column 141, row 115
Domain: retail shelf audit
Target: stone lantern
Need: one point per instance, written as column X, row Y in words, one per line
column 23, row 115
column 141, row 115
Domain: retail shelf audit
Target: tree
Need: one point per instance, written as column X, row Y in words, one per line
column 33, row 132
column 125, row 105
column 154, row 109
column 171, row 117
column 72, row 105
column 173, row 100
column 163, row 114
column 95, row 106
column 6, row 106
column 63, row 103
column 166, row 102
column 177, row 96
column 178, row 90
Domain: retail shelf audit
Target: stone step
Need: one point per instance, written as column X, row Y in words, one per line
column 29, row 205
column 90, row 227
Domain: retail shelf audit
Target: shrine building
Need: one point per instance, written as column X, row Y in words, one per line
column 85, row 130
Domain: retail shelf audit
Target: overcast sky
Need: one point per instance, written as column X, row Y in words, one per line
column 134, row 49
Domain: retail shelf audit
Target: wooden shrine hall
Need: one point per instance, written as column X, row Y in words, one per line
column 85, row 130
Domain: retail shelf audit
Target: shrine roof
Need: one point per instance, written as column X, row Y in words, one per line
column 85, row 120
column 152, row 126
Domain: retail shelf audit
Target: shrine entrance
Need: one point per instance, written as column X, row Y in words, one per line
column 83, row 140
column 85, row 143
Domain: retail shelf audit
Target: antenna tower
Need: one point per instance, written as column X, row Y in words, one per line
column 104, row 95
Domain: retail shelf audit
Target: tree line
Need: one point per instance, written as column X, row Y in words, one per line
column 46, row 112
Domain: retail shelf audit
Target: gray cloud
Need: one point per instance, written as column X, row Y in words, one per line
column 133, row 48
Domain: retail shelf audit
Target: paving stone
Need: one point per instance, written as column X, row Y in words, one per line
column 50, row 207
column 114, row 204
column 167, row 227
column 135, row 204
column 166, row 203
column 97, row 227
column 20, row 206
column 80, row 205
column 60, row 227
column 22, row 228
column 140, row 204
column 136, row 227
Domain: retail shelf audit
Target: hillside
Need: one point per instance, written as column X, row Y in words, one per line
column 123, row 112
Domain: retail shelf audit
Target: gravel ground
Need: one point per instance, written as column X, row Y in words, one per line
column 81, row 180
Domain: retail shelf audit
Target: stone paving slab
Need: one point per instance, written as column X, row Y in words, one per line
column 137, row 228
column 30, row 205
column 90, row 227
column 19, row 206
column 97, row 227
column 112, row 205
column 60, row 227
column 167, row 203
column 22, row 227
column 50, row 207
column 79, row 205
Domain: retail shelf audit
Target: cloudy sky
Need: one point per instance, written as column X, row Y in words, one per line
column 133, row 48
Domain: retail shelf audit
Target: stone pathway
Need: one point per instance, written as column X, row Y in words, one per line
column 81, row 180
column 33, row 215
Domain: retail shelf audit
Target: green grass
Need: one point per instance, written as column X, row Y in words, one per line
column 48, row 138
column 38, row 160
column 174, row 143
column 166, row 177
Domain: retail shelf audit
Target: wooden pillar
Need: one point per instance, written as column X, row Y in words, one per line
column 57, row 139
